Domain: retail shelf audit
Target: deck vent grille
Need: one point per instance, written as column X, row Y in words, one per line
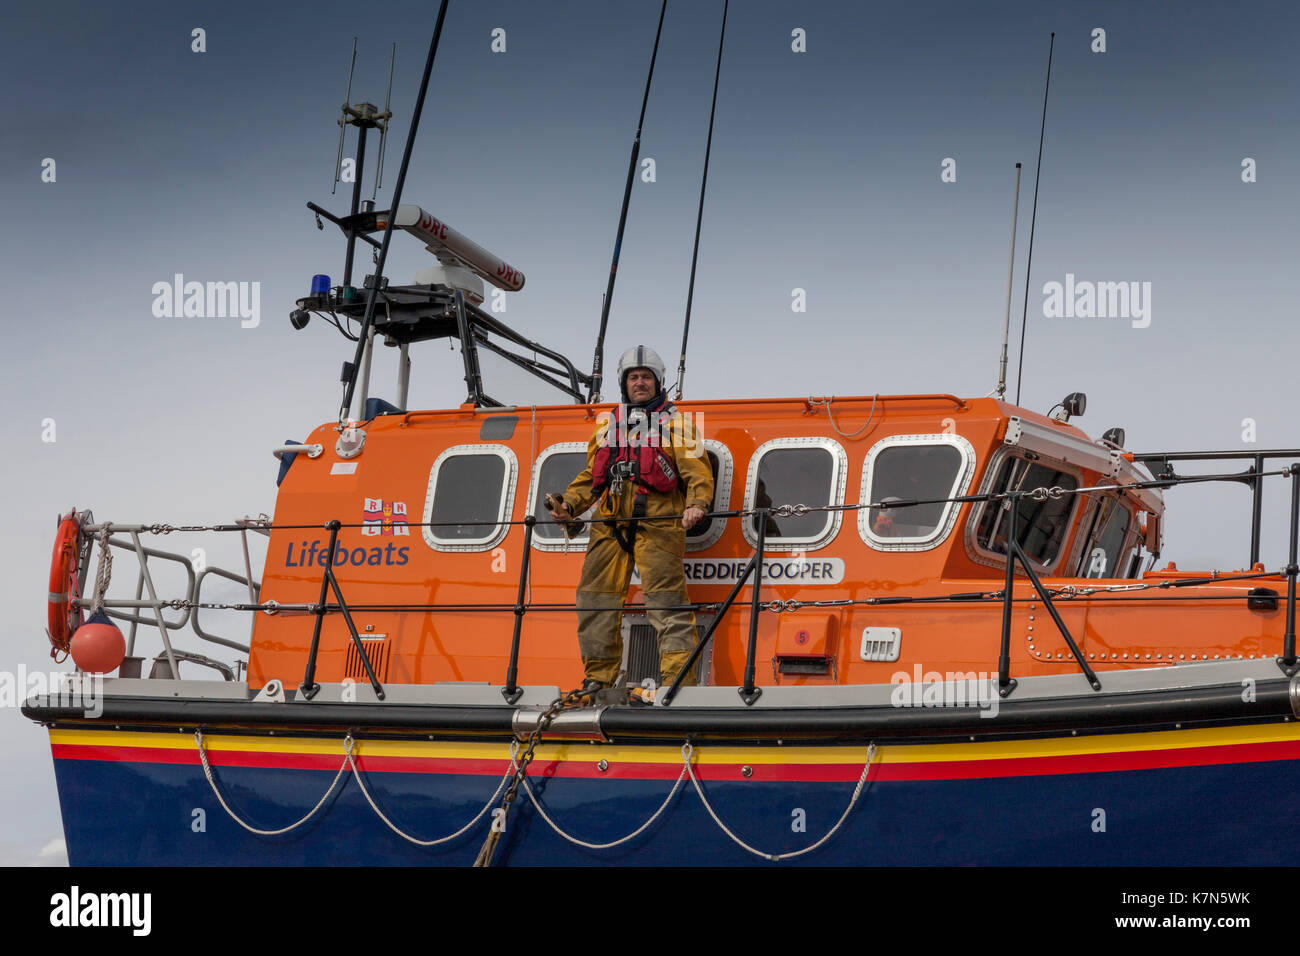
column 881, row 643
column 643, row 655
column 377, row 648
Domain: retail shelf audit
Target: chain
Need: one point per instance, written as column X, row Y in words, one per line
column 543, row 724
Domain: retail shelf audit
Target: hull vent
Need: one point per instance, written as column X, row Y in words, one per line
column 377, row 648
column 881, row 643
column 804, row 665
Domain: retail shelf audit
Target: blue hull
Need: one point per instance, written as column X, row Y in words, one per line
column 118, row 812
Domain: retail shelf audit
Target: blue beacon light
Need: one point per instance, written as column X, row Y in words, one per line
column 320, row 284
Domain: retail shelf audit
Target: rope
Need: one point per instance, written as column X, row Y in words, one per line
column 831, row 417
column 207, row 772
column 778, row 857
column 406, row 836
column 600, row 846
column 104, row 572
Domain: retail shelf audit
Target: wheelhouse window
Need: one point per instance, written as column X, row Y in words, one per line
column 796, row 471
column 554, row 471
column 471, row 493
column 1103, row 554
column 902, row 468
column 707, row 532
column 1041, row 526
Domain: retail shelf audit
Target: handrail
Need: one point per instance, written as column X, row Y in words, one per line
column 1016, row 553
column 309, row 687
column 151, row 553
column 1251, row 476
column 198, row 592
column 755, row 566
column 1288, row 660
column 749, row 691
column 512, row 692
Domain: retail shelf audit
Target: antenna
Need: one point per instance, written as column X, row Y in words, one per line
column 343, row 124
column 1033, row 219
column 369, row 317
column 598, row 362
column 1001, row 390
column 699, row 216
column 383, row 128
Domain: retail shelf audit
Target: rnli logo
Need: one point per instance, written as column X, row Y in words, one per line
column 384, row 517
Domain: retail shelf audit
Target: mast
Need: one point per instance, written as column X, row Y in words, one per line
column 368, row 319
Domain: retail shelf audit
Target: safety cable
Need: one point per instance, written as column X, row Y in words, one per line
column 778, row 857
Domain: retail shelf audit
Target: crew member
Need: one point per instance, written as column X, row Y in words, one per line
column 644, row 460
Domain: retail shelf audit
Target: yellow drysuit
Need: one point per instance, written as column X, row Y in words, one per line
column 659, row 548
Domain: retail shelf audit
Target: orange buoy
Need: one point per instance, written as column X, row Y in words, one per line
column 98, row 646
column 63, row 581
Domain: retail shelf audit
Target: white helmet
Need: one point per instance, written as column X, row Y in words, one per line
column 640, row 356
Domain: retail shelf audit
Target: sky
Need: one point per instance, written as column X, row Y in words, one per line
column 873, row 169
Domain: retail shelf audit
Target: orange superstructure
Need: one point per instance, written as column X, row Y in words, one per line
column 430, row 552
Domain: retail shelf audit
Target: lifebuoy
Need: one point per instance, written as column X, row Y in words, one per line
column 63, row 584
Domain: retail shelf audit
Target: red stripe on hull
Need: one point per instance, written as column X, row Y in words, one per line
column 820, row 773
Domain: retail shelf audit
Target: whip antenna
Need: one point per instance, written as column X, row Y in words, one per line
column 1001, row 390
column 700, row 215
column 383, row 136
column 347, row 101
column 598, row 363
column 1034, row 218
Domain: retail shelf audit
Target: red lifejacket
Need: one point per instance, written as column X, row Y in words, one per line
column 650, row 468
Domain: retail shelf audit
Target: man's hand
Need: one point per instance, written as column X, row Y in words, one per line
column 691, row 517
column 559, row 508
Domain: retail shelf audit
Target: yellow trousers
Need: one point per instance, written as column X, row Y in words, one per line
column 606, row 575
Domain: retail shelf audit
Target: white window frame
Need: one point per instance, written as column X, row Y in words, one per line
column 506, row 508
column 993, row 559
column 947, row 520
column 839, row 473
column 721, row 496
column 578, row 543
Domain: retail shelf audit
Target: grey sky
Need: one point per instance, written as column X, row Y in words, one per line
column 825, row 177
